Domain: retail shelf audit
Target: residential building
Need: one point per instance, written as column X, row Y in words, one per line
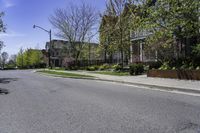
column 61, row 57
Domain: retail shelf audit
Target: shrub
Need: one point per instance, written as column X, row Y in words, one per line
column 72, row 68
column 136, row 69
column 146, row 68
column 165, row 66
column 154, row 65
column 91, row 68
column 96, row 67
column 117, row 67
column 104, row 67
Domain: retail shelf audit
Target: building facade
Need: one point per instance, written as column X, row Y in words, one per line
column 60, row 57
column 55, row 50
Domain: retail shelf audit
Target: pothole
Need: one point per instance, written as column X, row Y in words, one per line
column 4, row 91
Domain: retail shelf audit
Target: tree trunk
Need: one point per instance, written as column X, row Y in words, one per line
column 105, row 55
column 76, row 58
column 122, row 58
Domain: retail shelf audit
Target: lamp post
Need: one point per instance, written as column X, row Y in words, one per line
column 49, row 32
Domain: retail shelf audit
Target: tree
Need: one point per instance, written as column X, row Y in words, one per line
column 30, row 58
column 35, row 58
column 27, row 58
column 12, row 61
column 2, row 26
column 1, row 45
column 2, row 29
column 174, row 24
column 107, row 34
column 115, row 28
column 20, row 58
column 75, row 24
column 4, row 56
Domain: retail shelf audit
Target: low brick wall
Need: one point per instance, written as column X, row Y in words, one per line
column 175, row 74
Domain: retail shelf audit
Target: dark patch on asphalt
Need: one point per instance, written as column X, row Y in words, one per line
column 7, row 80
column 52, row 91
column 4, row 91
column 189, row 127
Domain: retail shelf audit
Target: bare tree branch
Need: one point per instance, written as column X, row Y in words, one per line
column 75, row 24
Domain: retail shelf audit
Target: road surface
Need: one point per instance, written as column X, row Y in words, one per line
column 35, row 103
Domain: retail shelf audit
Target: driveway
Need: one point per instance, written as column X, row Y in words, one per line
column 40, row 104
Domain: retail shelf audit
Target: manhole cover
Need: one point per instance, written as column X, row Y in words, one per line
column 4, row 91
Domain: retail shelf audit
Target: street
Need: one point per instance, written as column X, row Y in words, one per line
column 36, row 103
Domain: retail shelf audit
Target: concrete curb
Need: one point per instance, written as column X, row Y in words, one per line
column 165, row 88
column 156, row 86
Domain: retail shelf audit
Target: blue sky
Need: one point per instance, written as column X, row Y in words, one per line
column 21, row 15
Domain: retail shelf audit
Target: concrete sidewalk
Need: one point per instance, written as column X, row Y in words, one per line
column 142, row 80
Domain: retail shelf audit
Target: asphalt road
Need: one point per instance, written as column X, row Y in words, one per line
column 40, row 104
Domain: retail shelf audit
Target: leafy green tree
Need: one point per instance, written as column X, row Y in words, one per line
column 114, row 29
column 172, row 22
column 27, row 57
column 107, row 35
column 30, row 58
column 20, row 58
column 196, row 50
column 36, row 58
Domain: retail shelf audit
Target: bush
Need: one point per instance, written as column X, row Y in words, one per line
column 136, row 69
column 117, row 67
column 96, row 67
column 72, row 68
column 154, row 65
column 165, row 66
column 146, row 68
column 90, row 68
column 104, row 67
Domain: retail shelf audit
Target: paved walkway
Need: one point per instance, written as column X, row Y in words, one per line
column 169, row 84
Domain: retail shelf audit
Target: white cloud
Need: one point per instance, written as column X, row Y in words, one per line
column 11, row 34
column 8, row 3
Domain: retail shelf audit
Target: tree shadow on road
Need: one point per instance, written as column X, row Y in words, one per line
column 7, row 80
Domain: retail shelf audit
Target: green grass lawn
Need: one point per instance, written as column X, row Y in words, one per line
column 113, row 73
column 65, row 75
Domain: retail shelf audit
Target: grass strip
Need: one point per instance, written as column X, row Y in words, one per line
column 113, row 73
column 65, row 74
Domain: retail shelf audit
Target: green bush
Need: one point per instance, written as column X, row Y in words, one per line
column 91, row 68
column 165, row 66
column 146, row 68
column 104, row 67
column 136, row 69
column 154, row 65
column 117, row 67
column 72, row 68
column 96, row 67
